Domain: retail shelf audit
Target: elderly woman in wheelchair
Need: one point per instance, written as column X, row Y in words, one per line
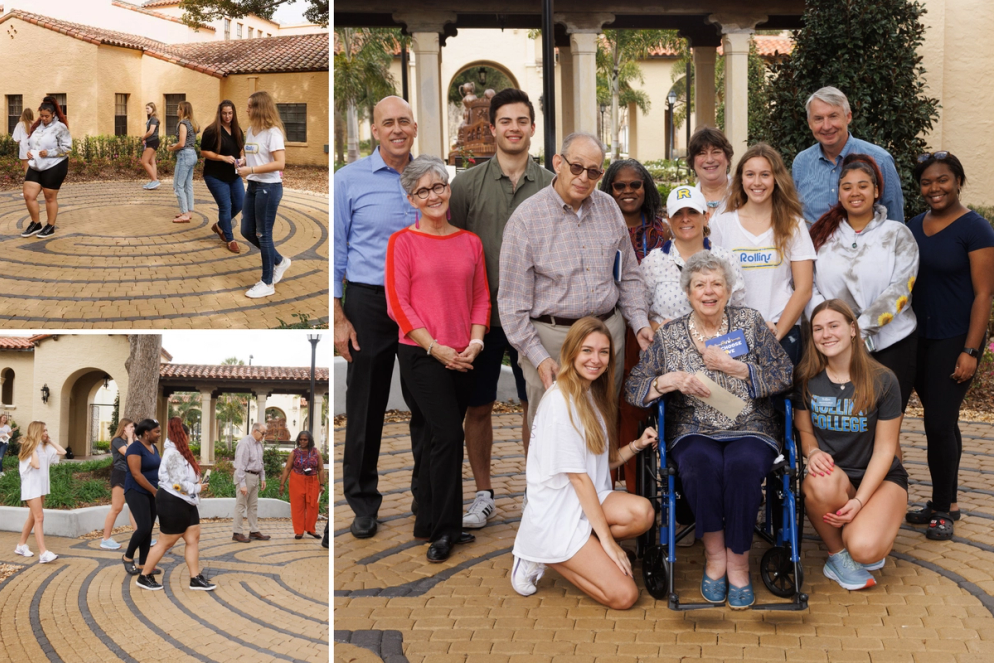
column 720, row 366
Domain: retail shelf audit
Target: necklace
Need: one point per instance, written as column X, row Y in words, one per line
column 722, row 329
column 836, row 380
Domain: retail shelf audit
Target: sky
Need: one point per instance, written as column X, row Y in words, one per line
column 291, row 13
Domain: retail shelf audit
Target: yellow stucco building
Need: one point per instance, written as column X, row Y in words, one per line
column 104, row 79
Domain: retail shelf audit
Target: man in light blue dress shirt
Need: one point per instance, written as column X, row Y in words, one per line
column 816, row 169
column 370, row 205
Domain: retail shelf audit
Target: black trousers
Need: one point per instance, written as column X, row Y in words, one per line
column 941, row 397
column 440, row 397
column 367, row 392
column 902, row 358
column 143, row 509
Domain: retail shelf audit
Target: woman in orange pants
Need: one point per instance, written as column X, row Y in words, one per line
column 305, row 469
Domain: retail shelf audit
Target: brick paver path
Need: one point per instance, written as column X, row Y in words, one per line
column 117, row 260
column 271, row 603
column 933, row 601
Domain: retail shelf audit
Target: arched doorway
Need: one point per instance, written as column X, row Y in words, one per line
column 276, row 425
column 7, row 388
column 484, row 75
column 82, row 409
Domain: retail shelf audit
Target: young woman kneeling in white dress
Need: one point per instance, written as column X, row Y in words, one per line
column 574, row 518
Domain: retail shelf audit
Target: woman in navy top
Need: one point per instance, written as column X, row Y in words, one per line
column 952, row 301
column 140, row 485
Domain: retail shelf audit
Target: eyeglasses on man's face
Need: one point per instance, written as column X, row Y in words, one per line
column 424, row 192
column 592, row 173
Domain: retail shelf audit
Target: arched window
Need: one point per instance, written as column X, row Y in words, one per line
column 7, row 390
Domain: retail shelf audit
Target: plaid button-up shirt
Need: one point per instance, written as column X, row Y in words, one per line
column 555, row 262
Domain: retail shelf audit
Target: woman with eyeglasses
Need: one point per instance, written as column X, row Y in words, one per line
column 437, row 292
column 952, row 299
column 711, row 159
column 305, row 470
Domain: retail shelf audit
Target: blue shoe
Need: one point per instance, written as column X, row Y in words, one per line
column 714, row 591
column 875, row 566
column 841, row 568
column 740, row 598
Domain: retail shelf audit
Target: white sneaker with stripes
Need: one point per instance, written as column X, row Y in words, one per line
column 481, row 510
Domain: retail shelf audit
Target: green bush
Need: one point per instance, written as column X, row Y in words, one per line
column 102, row 445
column 14, row 446
column 273, row 460
column 68, row 491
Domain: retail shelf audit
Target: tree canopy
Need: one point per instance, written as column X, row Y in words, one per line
column 199, row 12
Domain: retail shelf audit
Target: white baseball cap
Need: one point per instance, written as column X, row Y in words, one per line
column 685, row 196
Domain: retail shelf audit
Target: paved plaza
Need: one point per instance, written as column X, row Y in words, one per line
column 933, row 601
column 118, row 261
column 271, row 602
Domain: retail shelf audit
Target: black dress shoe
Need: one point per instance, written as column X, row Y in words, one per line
column 440, row 550
column 363, row 527
column 466, row 537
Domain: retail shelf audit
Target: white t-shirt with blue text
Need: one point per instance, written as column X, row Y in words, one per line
column 259, row 150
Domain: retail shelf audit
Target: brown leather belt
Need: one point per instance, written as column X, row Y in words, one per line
column 255, row 472
column 569, row 322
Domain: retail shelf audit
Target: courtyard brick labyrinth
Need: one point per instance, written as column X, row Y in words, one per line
column 117, row 260
column 271, row 603
column 934, row 601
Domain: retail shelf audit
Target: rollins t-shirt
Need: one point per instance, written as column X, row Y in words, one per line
column 845, row 434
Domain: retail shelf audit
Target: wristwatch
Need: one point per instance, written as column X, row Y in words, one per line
column 972, row 352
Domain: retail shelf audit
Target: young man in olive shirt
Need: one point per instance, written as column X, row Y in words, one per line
column 483, row 199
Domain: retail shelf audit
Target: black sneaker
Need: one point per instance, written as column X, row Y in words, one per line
column 47, row 231
column 32, row 229
column 148, row 582
column 202, row 584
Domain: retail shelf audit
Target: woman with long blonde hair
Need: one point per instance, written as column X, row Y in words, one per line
column 573, row 517
column 38, row 453
column 849, row 418
column 124, row 436
column 764, row 227
column 186, row 160
column 265, row 159
column 20, row 136
column 150, row 145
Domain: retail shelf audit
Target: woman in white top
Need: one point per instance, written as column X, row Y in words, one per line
column 6, row 432
column 686, row 208
column 49, row 145
column 265, row 159
column 570, row 494
column 38, row 452
column 711, row 159
column 765, row 229
column 871, row 264
column 20, row 136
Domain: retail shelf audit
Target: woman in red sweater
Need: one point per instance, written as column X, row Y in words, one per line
column 436, row 285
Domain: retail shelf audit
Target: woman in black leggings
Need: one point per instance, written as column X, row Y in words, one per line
column 952, row 301
column 140, row 487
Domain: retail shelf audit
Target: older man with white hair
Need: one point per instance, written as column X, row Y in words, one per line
column 816, row 170
column 249, row 479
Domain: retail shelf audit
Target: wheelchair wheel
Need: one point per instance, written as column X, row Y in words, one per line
column 654, row 573
column 777, row 572
column 646, row 486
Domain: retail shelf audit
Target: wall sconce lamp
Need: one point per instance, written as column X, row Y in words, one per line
column 45, row 393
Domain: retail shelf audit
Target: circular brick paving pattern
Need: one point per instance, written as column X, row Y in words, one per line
column 117, row 260
column 271, row 602
column 933, row 601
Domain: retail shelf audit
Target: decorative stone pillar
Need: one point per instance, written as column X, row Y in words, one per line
column 260, row 408
column 206, row 427
column 704, row 59
column 737, row 31
column 583, row 30
column 429, row 112
column 566, row 101
column 212, row 434
column 321, row 440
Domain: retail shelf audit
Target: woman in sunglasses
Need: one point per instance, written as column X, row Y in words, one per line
column 437, row 292
column 952, row 298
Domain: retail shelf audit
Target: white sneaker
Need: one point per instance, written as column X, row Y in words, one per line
column 280, row 269
column 151, row 543
column 480, row 511
column 109, row 544
column 525, row 575
column 153, row 185
column 524, row 501
column 23, row 550
column 259, row 290
column 47, row 556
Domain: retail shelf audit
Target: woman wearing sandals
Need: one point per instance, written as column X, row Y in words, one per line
column 265, row 159
column 222, row 146
column 180, row 486
column 140, row 487
column 305, row 469
column 150, row 145
column 123, row 438
column 849, row 418
column 186, row 160
column 38, row 453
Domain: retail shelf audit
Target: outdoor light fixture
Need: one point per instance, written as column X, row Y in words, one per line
column 106, row 381
column 482, row 73
column 45, row 394
column 671, row 97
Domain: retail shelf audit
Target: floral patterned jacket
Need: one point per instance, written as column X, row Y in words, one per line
column 770, row 373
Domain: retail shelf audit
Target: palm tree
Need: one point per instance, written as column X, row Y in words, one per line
column 231, row 407
column 186, row 406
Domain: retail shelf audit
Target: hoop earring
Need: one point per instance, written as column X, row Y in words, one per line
column 417, row 219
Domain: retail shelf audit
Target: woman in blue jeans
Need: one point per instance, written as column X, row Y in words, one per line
column 265, row 158
column 222, row 146
column 186, row 160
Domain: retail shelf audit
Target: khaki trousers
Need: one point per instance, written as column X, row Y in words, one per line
column 552, row 337
column 247, row 505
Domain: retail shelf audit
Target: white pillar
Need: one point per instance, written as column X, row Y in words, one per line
column 566, row 100
column 318, row 431
column 260, row 416
column 583, row 46
column 212, row 427
column 736, row 47
column 428, row 113
column 704, row 58
column 206, row 437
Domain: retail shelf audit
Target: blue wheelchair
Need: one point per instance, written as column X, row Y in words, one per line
column 780, row 567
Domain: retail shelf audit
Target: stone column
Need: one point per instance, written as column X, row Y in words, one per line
column 737, row 31
column 583, row 30
column 206, row 427
column 566, row 101
column 429, row 112
column 260, row 400
column 704, row 58
column 321, row 440
column 212, row 427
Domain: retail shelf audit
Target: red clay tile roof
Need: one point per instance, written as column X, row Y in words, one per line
column 766, row 45
column 247, row 373
column 217, row 58
column 159, row 15
column 16, row 343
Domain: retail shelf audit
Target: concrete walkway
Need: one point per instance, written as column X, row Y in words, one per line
column 117, row 261
column 271, row 603
column 934, row 601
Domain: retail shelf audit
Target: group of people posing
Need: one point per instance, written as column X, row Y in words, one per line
column 257, row 154
column 598, row 293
